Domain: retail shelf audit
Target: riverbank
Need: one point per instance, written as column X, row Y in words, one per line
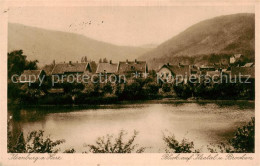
column 117, row 102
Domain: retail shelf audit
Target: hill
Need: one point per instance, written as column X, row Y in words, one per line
column 227, row 35
column 48, row 45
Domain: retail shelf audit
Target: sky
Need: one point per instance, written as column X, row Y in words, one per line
column 131, row 26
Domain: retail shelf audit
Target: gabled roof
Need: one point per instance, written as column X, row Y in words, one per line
column 132, row 67
column 249, row 65
column 107, row 67
column 237, row 56
column 62, row 68
column 243, row 71
column 48, row 69
column 178, row 69
column 30, row 75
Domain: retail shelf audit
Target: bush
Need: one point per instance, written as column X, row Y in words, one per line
column 242, row 142
column 244, row 139
column 166, row 87
column 151, row 88
column 131, row 91
column 183, row 90
column 107, row 145
column 107, row 88
column 35, row 143
column 179, row 147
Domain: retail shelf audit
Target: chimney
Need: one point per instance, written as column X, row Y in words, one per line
column 70, row 62
column 168, row 64
column 53, row 62
column 110, row 61
column 135, row 61
column 126, row 61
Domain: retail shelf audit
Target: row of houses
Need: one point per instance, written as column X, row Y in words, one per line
column 168, row 71
column 126, row 68
column 129, row 67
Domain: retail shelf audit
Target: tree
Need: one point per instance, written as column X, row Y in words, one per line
column 166, row 87
column 105, row 60
column 17, row 63
column 131, row 90
column 108, row 88
column 151, row 88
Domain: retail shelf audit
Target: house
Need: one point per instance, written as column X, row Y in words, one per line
column 31, row 76
column 235, row 58
column 108, row 68
column 130, row 68
column 72, row 68
column 172, row 72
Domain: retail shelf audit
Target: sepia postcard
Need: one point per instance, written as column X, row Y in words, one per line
column 129, row 83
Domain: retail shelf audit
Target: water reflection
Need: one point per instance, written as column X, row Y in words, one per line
column 201, row 122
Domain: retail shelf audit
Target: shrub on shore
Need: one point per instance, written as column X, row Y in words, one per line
column 34, row 143
column 174, row 146
column 117, row 145
column 242, row 142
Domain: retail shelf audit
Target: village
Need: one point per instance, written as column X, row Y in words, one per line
column 139, row 69
column 87, row 81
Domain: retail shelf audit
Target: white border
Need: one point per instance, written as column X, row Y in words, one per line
column 113, row 159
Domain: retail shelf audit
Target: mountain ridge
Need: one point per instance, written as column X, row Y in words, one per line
column 226, row 34
column 48, row 45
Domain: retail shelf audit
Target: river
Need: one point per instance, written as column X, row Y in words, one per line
column 202, row 122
